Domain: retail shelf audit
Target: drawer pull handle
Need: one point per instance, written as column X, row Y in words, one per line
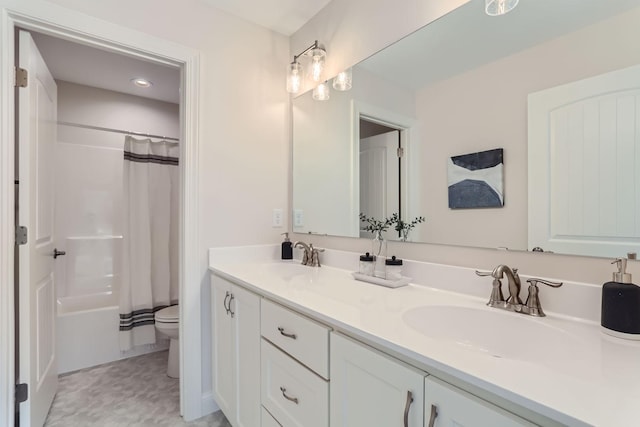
column 226, row 297
column 283, row 333
column 233, row 313
column 406, row 408
column 291, row 399
column 434, row 415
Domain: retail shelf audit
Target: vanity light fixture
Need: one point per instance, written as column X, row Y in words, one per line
column 294, row 74
column 321, row 92
column 499, row 7
column 343, row 80
column 141, row 82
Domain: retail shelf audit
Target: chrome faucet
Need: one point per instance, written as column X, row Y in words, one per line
column 310, row 255
column 532, row 305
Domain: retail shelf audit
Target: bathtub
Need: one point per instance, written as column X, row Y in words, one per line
column 87, row 333
column 88, row 319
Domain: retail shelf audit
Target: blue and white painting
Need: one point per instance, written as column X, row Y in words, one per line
column 475, row 180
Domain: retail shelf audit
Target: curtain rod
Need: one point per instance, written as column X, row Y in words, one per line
column 125, row 132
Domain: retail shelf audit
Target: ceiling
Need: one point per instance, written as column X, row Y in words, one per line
column 282, row 16
column 76, row 63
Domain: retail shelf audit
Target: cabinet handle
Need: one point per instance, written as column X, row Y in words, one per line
column 230, row 301
column 291, row 399
column 283, row 333
column 225, row 302
column 434, row 415
column 406, row 408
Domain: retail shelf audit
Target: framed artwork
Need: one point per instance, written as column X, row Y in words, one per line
column 476, row 180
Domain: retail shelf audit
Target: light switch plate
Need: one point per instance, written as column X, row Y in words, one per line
column 277, row 218
column 298, row 218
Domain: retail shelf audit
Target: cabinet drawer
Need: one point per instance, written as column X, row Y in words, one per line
column 293, row 394
column 267, row 420
column 302, row 338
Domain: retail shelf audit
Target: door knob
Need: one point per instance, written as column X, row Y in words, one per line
column 57, row 253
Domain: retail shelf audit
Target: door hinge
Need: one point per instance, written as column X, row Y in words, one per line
column 21, row 235
column 22, row 392
column 22, row 77
column 400, row 152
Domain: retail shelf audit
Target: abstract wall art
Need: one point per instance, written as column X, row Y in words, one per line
column 476, row 180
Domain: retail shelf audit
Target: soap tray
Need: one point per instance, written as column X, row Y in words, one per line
column 382, row 282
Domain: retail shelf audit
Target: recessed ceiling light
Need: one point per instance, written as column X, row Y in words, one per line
column 140, row 82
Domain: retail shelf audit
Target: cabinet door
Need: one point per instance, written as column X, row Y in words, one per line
column 222, row 351
column 371, row 389
column 455, row 407
column 245, row 312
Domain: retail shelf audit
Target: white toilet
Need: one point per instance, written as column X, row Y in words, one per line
column 167, row 322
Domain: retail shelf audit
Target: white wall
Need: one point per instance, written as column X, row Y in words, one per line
column 486, row 108
column 354, row 29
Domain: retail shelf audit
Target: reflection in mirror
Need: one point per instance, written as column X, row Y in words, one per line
column 380, row 161
column 453, row 93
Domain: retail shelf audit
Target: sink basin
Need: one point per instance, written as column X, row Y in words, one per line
column 286, row 270
column 494, row 332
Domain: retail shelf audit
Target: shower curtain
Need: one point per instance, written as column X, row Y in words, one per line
column 150, row 254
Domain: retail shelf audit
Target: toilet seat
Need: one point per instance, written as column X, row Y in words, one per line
column 168, row 315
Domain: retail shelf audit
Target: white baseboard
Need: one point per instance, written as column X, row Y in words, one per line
column 209, row 405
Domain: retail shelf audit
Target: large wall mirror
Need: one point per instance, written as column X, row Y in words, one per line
column 463, row 88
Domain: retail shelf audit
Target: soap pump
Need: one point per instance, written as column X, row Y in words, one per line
column 621, row 304
column 287, row 248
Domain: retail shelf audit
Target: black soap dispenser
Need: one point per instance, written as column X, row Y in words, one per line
column 621, row 304
column 287, row 249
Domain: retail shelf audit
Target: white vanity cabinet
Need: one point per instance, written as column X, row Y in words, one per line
column 236, row 346
column 369, row 388
column 446, row 405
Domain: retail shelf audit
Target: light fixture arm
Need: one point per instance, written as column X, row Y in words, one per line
column 307, row 50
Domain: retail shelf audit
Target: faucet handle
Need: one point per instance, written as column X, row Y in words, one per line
column 533, row 306
column 484, row 273
column 534, row 282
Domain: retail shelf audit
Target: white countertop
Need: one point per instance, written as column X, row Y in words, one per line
column 570, row 371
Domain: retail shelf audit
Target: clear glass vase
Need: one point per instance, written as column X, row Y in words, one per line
column 379, row 252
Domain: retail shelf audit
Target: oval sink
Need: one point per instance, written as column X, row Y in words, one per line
column 493, row 332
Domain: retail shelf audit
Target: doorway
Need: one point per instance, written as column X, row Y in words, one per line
column 73, row 197
column 61, row 23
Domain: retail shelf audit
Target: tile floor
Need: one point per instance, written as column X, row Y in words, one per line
column 130, row 392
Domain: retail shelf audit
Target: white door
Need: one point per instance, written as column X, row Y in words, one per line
column 446, row 405
column 379, row 177
column 36, row 307
column 368, row 388
column 584, row 165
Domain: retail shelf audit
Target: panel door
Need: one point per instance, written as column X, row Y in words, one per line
column 245, row 312
column 37, row 115
column 584, row 165
column 222, row 351
column 449, row 406
column 368, row 388
column 379, row 176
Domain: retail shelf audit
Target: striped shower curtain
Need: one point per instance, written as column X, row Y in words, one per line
column 150, row 254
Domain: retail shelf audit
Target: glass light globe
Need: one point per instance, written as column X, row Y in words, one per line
column 321, row 92
column 343, row 80
column 294, row 78
column 499, row 7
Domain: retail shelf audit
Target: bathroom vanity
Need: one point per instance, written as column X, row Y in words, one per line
column 302, row 346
